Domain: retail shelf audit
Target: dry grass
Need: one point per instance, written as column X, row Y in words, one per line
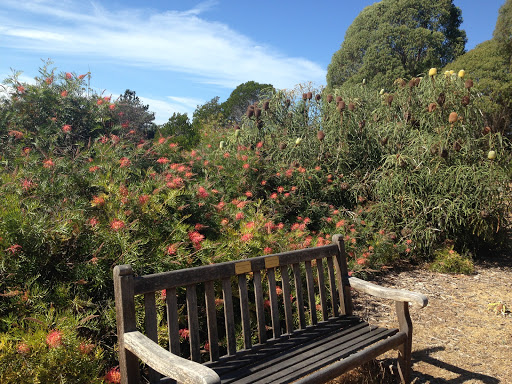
column 457, row 339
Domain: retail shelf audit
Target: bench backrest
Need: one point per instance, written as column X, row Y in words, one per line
column 222, row 308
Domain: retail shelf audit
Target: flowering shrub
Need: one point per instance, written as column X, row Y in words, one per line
column 397, row 174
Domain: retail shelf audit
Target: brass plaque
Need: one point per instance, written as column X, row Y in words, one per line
column 242, row 267
column 272, row 262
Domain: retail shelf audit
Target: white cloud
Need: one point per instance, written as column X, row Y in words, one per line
column 182, row 42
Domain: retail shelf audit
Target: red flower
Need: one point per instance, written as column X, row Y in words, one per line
column 94, row 168
column 279, row 291
column 66, row 128
column 207, row 346
column 16, row 134
column 113, row 376
column 23, row 349
column 112, row 107
column 247, row 237
column 93, row 222
column 99, row 101
column 68, row 75
column 54, row 339
column 196, row 238
column 143, row 199
column 48, row 163
column 246, row 166
column 124, row 162
column 117, row 224
column 163, row 160
column 82, row 76
column 184, row 333
column 49, row 80
column 21, row 89
column 280, row 189
column 85, row 348
column 64, row 93
column 239, row 216
column 172, row 249
column 97, row 201
column 259, row 145
column 248, row 194
column 226, row 155
column 202, row 193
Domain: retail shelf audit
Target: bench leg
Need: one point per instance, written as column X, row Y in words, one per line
column 404, row 351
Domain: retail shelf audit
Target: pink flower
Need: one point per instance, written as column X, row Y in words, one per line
column 54, row 339
column 66, row 128
column 85, row 349
column 163, row 160
column 239, row 216
column 202, row 193
column 280, row 189
column 247, row 237
column 196, row 238
column 124, row 162
column 113, row 376
column 172, row 249
column 161, row 140
column 23, row 349
column 259, row 145
column 21, row 89
column 117, row 224
column 93, row 222
column 143, row 199
column 246, row 166
column 361, row 261
column 48, row 163
column 184, row 333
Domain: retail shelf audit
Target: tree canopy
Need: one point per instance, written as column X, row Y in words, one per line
column 181, row 129
column 244, row 95
column 397, row 38
column 503, row 30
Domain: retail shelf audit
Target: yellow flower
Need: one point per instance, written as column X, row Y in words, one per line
column 461, row 73
column 432, row 72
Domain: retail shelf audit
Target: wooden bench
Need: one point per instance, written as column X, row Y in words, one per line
column 272, row 319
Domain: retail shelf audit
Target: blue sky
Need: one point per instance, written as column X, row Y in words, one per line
column 179, row 54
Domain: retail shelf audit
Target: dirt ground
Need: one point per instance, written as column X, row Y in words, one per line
column 459, row 337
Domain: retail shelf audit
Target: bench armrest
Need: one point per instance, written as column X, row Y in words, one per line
column 167, row 363
column 388, row 293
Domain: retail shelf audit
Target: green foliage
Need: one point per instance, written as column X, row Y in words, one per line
column 182, row 131
column 503, row 30
column 397, row 38
column 209, row 110
column 134, row 115
column 242, row 96
column 448, row 260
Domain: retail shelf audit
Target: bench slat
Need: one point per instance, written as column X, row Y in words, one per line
column 173, row 326
column 211, row 316
column 229, row 317
column 260, row 308
column 244, row 308
column 287, row 299
column 193, row 323
column 151, row 327
column 332, row 287
column 321, row 285
column 311, row 292
column 274, row 308
column 298, row 295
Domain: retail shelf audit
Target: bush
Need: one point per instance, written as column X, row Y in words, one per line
column 449, row 261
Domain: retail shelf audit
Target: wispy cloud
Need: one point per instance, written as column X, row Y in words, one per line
column 208, row 52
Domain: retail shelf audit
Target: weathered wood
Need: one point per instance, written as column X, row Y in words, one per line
column 321, row 287
column 340, row 260
column 125, row 318
column 274, row 304
column 405, row 349
column 288, row 315
column 299, row 299
column 193, row 323
column 332, row 287
column 311, row 292
column 229, row 315
column 167, row 363
column 313, row 353
column 189, row 276
column 244, row 309
column 173, row 326
column 260, row 308
column 388, row 293
column 211, row 318
column 151, row 327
